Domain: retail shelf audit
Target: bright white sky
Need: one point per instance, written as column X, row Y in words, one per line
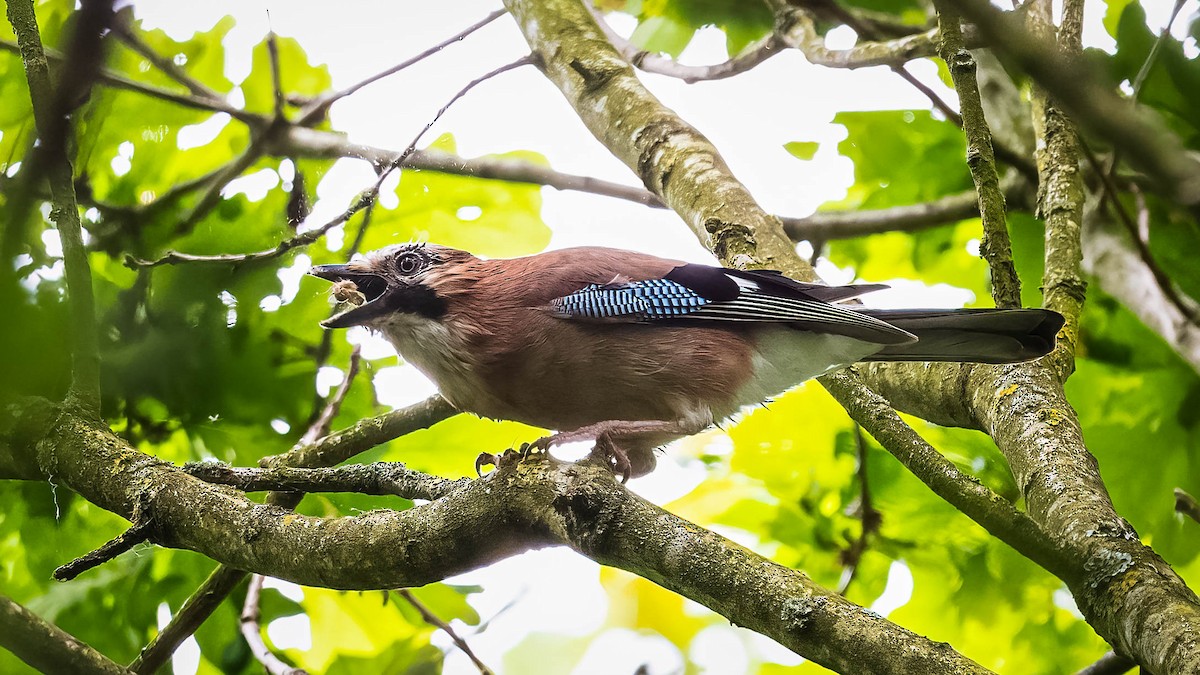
column 748, row 117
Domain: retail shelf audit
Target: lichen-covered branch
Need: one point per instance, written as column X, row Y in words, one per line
column 1123, row 588
column 797, row 29
column 1022, row 407
column 46, row 647
column 326, row 451
column 998, row 516
column 1061, row 195
column 995, row 247
column 380, row 478
column 673, row 159
column 519, row 507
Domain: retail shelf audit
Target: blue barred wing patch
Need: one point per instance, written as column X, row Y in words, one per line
column 634, row 301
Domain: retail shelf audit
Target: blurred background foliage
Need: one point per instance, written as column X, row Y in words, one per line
column 219, row 361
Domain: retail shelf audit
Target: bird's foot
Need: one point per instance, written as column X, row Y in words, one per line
column 485, row 459
column 512, row 456
column 613, row 457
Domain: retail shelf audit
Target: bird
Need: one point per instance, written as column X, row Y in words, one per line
column 631, row 351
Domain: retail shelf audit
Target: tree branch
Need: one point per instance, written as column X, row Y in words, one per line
column 658, row 64
column 994, row 513
column 1109, row 664
column 797, row 28
column 252, row 632
column 364, row 435
column 380, row 478
column 331, row 449
column 432, row 619
column 1140, row 134
column 1061, row 192
column 672, row 158
column 46, row 647
column 50, row 109
column 1127, row 592
column 124, row 31
column 995, row 247
column 519, row 507
column 1187, row 505
column 139, row 532
column 830, row 225
column 317, row 108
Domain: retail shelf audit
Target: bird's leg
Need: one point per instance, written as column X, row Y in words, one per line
column 614, row 437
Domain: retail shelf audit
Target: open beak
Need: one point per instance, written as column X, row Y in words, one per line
column 373, row 287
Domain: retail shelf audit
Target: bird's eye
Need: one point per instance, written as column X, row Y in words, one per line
column 409, row 264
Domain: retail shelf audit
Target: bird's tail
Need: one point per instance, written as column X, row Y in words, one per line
column 975, row 335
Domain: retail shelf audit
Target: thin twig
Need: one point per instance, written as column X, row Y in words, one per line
column 187, row 620
column 124, row 31
column 325, row 346
column 316, row 109
column 276, row 74
column 119, row 81
column 1189, row 310
column 434, row 620
column 830, row 225
column 364, row 199
column 327, row 145
column 300, row 240
column 319, row 428
column 212, row 194
column 937, row 101
column 135, row 535
column 870, row 518
column 1187, row 505
column 663, row 65
column 797, row 27
column 252, row 632
column 995, row 247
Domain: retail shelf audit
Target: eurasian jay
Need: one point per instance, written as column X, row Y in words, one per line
column 633, row 351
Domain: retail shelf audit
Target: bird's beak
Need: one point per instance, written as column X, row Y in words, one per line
column 372, row 286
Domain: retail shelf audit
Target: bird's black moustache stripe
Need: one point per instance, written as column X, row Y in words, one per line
column 416, row 299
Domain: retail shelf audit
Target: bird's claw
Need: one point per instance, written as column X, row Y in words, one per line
column 485, row 459
column 613, row 457
column 511, row 456
column 540, row 445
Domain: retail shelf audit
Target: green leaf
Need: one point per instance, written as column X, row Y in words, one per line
column 802, row 149
column 662, row 34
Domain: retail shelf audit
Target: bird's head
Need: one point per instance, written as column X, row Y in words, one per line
column 401, row 279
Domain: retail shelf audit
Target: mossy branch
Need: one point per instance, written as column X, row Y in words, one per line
column 995, row 248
